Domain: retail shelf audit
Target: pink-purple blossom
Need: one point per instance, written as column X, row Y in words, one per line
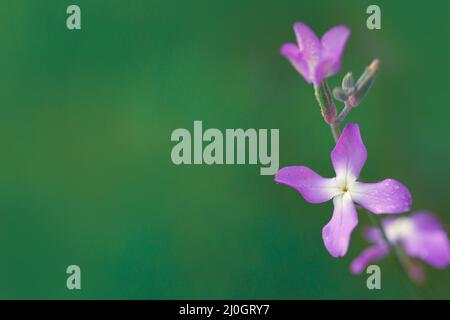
column 316, row 59
column 421, row 235
column 348, row 158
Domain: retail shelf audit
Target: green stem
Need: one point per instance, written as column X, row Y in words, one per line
column 335, row 131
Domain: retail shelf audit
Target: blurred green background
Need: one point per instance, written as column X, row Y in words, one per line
column 85, row 121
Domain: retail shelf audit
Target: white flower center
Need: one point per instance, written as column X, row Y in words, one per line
column 344, row 184
column 400, row 228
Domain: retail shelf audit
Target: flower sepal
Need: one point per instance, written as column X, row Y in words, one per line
column 327, row 106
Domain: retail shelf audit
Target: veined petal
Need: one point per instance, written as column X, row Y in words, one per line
column 368, row 256
column 429, row 242
column 313, row 187
column 291, row 52
column 333, row 44
column 387, row 196
column 349, row 154
column 336, row 234
column 308, row 43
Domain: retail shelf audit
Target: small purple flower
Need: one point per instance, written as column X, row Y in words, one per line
column 421, row 235
column 348, row 158
column 316, row 59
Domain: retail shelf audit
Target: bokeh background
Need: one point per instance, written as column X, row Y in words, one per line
column 85, row 123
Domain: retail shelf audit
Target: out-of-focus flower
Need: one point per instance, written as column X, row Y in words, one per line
column 421, row 235
column 348, row 158
column 316, row 59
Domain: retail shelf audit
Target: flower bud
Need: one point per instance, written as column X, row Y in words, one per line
column 364, row 83
column 327, row 106
column 340, row 94
column 348, row 84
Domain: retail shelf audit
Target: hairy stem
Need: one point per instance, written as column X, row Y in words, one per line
column 325, row 101
column 335, row 131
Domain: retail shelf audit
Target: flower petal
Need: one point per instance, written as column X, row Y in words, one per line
column 432, row 247
column 349, row 154
column 308, row 43
column 324, row 69
column 429, row 242
column 426, row 221
column 333, row 44
column 387, row 196
column 336, row 234
column 373, row 235
column 290, row 51
column 313, row 187
column 368, row 256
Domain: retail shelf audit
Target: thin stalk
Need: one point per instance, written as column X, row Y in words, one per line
column 335, row 131
column 341, row 117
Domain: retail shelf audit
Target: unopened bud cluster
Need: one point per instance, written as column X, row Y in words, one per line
column 353, row 93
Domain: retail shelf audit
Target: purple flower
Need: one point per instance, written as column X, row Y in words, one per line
column 348, row 158
column 421, row 235
column 316, row 59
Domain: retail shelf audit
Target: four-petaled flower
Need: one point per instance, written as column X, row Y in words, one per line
column 348, row 158
column 316, row 59
column 421, row 235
